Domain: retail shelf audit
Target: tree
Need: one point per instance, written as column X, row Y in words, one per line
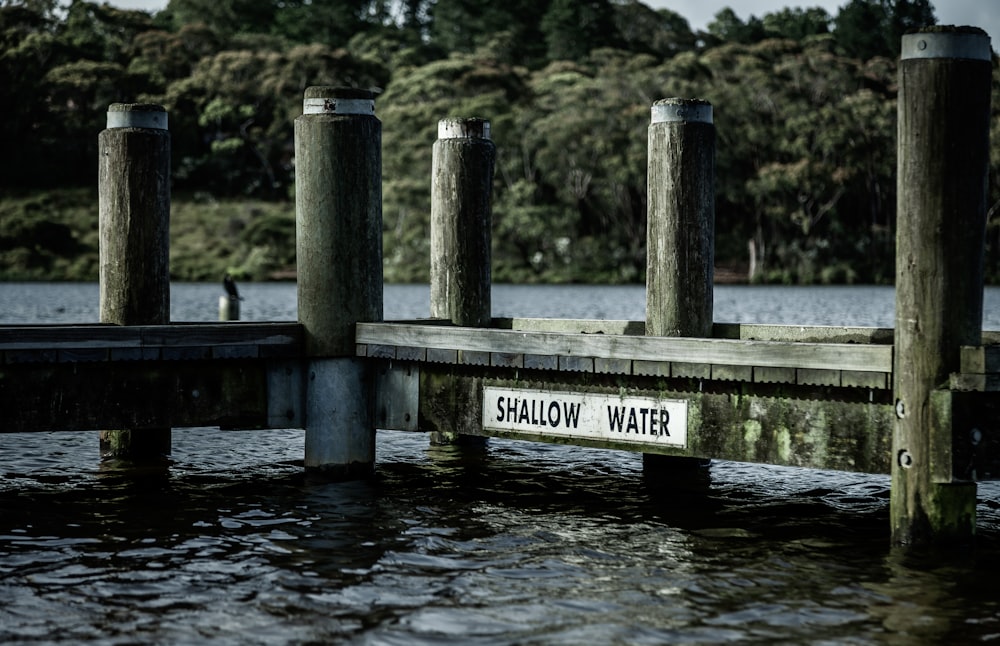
column 330, row 22
column 661, row 33
column 869, row 28
column 235, row 114
column 572, row 28
column 797, row 23
column 465, row 25
column 28, row 47
column 100, row 32
column 224, row 17
column 728, row 28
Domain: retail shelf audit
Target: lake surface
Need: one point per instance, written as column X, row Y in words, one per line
column 514, row 543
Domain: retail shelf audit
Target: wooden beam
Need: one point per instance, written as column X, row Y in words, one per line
column 833, row 356
column 82, row 343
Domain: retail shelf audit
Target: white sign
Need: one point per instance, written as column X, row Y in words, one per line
column 642, row 420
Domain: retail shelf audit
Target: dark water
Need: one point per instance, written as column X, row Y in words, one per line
column 516, row 543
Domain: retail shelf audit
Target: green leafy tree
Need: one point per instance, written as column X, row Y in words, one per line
column 869, row 28
column 100, row 32
column 224, row 17
column 28, row 47
column 240, row 106
column 727, row 27
column 466, row 25
column 330, row 22
column 573, row 28
column 797, row 23
column 641, row 29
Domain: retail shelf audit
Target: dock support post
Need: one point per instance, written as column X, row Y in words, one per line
column 680, row 256
column 461, row 219
column 338, row 223
column 229, row 308
column 943, row 161
column 134, row 234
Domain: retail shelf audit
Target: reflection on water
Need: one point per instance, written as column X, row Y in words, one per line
column 514, row 543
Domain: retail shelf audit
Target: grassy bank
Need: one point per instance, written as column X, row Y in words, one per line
column 53, row 235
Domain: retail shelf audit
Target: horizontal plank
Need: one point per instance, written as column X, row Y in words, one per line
column 831, row 356
column 963, row 381
column 983, row 359
column 742, row 331
column 75, row 343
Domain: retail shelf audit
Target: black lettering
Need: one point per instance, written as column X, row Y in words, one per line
column 512, row 409
column 633, row 426
column 524, row 417
column 664, row 420
column 616, row 416
column 500, row 408
column 571, row 412
column 652, row 422
column 554, row 416
column 644, row 412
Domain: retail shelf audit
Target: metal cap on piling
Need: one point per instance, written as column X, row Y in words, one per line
column 137, row 115
column 326, row 99
column 681, row 111
column 946, row 41
column 464, row 128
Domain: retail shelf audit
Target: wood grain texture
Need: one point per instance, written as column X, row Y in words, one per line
column 680, row 229
column 943, row 162
column 834, row 356
column 338, row 214
column 461, row 221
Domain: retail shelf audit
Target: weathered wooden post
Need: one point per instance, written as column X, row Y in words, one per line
column 943, row 163
column 461, row 278
column 680, row 232
column 134, row 233
column 461, row 186
column 680, row 226
column 338, row 222
column 229, row 308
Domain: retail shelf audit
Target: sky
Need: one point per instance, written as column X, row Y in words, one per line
column 977, row 13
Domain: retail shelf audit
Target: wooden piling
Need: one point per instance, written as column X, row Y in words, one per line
column 680, row 226
column 461, row 219
column 680, row 237
column 134, row 234
column 338, row 213
column 943, row 162
column 229, row 308
column 461, row 186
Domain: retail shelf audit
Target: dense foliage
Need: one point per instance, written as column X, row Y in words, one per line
column 805, row 111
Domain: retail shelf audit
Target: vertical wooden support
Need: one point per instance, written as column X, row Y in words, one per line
column 461, row 278
column 229, row 308
column 338, row 223
column 461, row 186
column 944, row 114
column 680, row 230
column 680, row 238
column 134, row 233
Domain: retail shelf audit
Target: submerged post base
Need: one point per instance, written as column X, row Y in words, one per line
column 135, row 445
column 340, row 430
column 449, row 438
column 665, row 467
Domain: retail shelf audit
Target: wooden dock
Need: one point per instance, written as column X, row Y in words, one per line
column 919, row 401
